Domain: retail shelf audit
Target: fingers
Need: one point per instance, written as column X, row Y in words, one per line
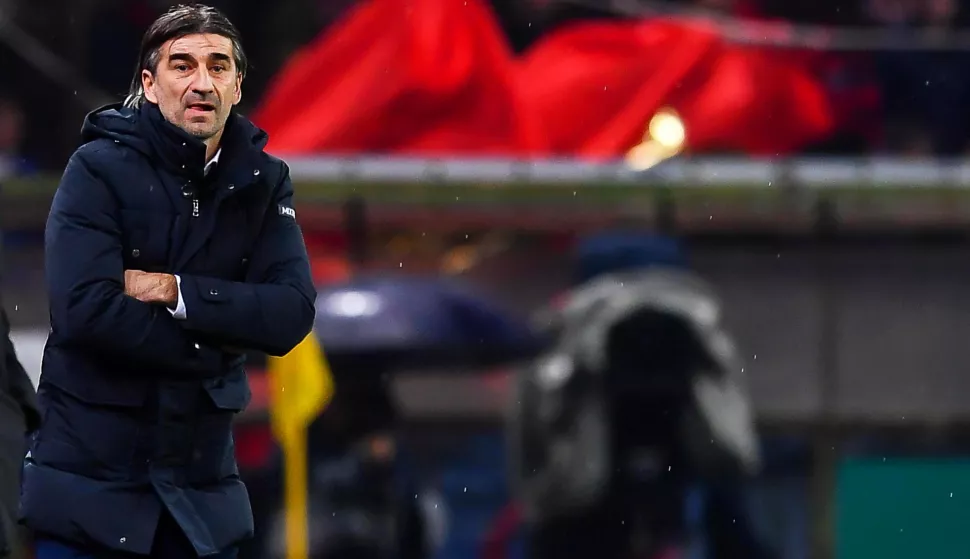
column 135, row 284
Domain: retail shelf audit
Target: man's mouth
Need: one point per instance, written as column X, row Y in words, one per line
column 204, row 107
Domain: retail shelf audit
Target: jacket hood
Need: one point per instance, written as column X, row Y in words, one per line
column 113, row 122
column 146, row 130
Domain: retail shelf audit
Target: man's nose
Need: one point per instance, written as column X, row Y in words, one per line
column 202, row 83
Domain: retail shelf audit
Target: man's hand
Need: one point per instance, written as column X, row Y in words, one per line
column 152, row 288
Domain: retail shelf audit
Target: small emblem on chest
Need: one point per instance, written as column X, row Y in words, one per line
column 288, row 212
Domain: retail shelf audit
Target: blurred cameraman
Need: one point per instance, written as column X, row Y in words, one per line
column 639, row 400
column 19, row 416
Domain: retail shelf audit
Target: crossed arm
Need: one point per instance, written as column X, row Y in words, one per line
column 95, row 301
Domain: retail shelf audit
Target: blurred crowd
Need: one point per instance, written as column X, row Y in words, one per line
column 892, row 101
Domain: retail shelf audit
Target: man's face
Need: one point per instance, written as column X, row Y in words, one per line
column 196, row 83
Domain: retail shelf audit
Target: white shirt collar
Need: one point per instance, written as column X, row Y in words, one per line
column 212, row 162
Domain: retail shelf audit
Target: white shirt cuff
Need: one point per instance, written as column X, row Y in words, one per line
column 179, row 311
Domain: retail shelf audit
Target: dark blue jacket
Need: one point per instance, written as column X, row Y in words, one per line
column 137, row 405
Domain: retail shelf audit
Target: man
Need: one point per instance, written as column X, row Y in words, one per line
column 670, row 412
column 18, row 416
column 171, row 247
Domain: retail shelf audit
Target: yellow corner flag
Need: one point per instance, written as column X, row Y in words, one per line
column 301, row 386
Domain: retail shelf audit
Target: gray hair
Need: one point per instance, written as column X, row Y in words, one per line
column 178, row 22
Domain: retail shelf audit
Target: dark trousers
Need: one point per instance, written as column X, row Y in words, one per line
column 170, row 543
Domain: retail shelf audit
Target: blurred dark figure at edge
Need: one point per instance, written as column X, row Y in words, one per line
column 19, row 415
column 171, row 249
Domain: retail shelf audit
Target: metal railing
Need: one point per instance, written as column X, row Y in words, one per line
column 718, row 193
column 812, row 173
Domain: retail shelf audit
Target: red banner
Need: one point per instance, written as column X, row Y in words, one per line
column 435, row 77
column 414, row 76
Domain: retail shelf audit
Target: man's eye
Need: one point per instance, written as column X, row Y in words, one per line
column 182, row 67
column 218, row 69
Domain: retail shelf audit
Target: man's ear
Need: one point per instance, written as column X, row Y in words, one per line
column 148, row 85
column 237, row 97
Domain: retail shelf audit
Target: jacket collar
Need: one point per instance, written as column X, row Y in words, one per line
column 177, row 151
column 183, row 155
column 211, row 164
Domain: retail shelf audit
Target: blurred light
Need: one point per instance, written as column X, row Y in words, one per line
column 667, row 129
column 459, row 260
column 381, row 448
column 555, row 371
column 353, row 304
column 665, row 137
